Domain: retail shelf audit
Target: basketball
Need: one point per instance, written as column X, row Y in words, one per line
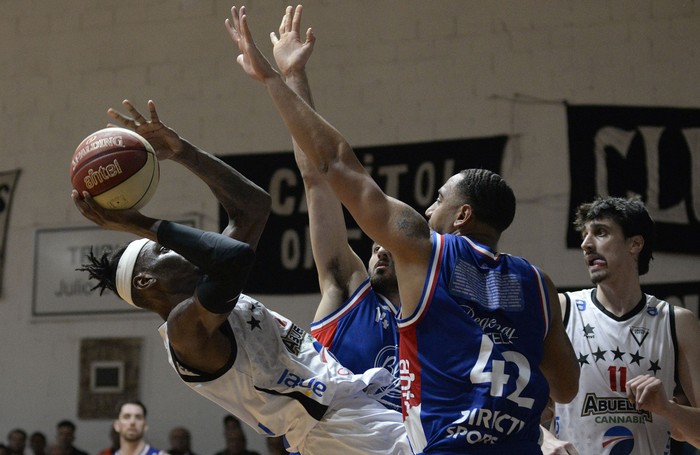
column 117, row 167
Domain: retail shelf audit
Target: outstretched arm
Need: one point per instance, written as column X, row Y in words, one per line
column 340, row 270
column 389, row 222
column 247, row 205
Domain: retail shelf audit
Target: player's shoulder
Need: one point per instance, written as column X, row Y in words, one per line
column 685, row 318
column 577, row 294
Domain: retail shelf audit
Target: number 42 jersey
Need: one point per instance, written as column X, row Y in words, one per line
column 470, row 353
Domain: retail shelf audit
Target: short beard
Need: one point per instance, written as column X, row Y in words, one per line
column 131, row 438
column 598, row 277
column 383, row 284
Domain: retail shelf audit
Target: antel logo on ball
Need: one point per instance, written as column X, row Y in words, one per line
column 95, row 177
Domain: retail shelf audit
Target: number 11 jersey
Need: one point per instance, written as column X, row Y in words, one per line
column 611, row 350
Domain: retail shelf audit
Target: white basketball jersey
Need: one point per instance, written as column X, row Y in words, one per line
column 279, row 380
column 612, row 350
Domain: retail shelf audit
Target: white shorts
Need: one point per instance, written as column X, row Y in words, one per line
column 358, row 426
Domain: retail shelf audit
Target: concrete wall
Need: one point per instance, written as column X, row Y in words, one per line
column 384, row 71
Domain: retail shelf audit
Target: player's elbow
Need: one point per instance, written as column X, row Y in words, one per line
column 565, row 396
column 565, row 389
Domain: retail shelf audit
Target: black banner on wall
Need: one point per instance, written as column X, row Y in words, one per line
column 410, row 172
column 650, row 152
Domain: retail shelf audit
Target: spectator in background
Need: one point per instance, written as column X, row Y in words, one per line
column 55, row 449
column 236, row 442
column 65, row 436
column 131, row 426
column 180, row 442
column 275, row 446
column 37, row 443
column 3, row 449
column 16, row 441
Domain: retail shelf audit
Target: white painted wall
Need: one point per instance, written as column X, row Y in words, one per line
column 384, row 71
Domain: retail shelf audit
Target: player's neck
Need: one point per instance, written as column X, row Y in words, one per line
column 131, row 447
column 394, row 298
column 483, row 238
column 619, row 297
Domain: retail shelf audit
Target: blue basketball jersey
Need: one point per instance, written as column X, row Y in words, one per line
column 363, row 334
column 470, row 353
column 147, row 450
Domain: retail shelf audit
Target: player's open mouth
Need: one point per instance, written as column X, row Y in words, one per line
column 595, row 261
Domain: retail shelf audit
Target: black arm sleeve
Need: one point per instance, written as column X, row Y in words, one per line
column 226, row 263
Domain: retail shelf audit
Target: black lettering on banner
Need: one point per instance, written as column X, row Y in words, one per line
column 8, row 183
column 651, row 152
column 410, row 172
column 4, row 197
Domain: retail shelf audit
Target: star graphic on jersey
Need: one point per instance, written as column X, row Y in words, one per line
column 636, row 357
column 254, row 323
column 588, row 331
column 599, row 355
column 618, row 354
column 583, row 358
column 654, row 367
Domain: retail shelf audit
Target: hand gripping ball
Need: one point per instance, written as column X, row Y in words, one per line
column 117, row 167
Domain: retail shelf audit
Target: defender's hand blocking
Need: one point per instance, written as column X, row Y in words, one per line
column 290, row 53
column 166, row 142
column 251, row 59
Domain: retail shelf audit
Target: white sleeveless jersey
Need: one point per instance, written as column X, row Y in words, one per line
column 612, row 350
column 281, row 381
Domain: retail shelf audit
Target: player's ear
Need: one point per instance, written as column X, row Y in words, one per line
column 464, row 214
column 636, row 243
column 143, row 280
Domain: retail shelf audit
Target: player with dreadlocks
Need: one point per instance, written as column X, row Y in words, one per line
column 253, row 362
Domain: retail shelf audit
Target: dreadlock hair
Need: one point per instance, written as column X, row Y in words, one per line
column 492, row 200
column 103, row 269
column 630, row 214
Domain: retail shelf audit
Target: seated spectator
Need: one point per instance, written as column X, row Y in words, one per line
column 180, row 442
column 236, row 442
column 16, row 441
column 37, row 442
column 275, row 446
column 65, row 435
column 55, row 449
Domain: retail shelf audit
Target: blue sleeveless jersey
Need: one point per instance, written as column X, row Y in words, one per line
column 470, row 353
column 363, row 334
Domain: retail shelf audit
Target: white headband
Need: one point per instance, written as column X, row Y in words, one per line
column 125, row 269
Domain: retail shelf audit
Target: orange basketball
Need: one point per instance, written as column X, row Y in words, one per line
column 117, row 167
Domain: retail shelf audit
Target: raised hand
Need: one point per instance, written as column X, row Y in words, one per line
column 290, row 53
column 166, row 142
column 251, row 59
